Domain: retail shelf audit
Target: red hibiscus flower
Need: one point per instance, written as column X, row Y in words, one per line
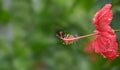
column 105, row 43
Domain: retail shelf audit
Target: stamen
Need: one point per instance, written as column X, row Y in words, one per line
column 68, row 39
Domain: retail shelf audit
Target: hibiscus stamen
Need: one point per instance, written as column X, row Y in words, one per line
column 68, row 39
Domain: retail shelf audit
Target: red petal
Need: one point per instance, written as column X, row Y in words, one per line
column 103, row 17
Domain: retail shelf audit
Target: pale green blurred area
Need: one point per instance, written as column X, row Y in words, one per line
column 28, row 31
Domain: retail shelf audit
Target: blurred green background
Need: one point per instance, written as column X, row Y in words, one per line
column 28, row 31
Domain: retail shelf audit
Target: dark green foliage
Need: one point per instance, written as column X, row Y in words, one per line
column 4, row 15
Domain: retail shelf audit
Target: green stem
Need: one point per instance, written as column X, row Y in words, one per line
column 117, row 30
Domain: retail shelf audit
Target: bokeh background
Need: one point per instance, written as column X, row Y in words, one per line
column 28, row 31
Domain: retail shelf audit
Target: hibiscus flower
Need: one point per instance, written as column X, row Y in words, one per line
column 105, row 42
